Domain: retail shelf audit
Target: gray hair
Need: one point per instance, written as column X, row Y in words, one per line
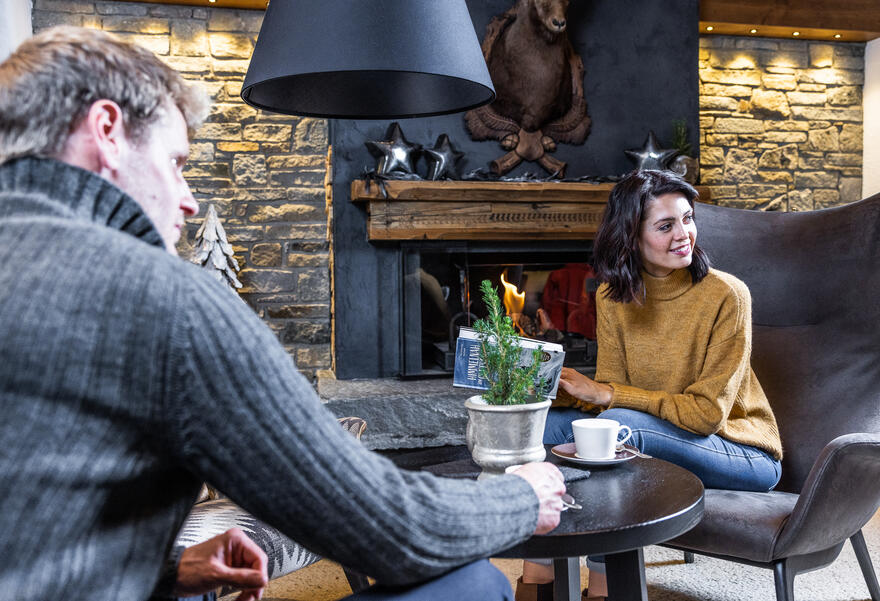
column 48, row 84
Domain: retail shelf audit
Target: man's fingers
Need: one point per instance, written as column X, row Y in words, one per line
column 245, row 552
column 254, row 595
column 245, row 578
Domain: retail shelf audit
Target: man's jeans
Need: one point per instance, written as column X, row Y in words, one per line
column 718, row 462
column 478, row 581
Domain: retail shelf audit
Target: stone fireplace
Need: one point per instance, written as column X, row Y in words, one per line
column 379, row 245
column 393, row 258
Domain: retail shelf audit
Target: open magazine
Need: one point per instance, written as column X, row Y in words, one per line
column 468, row 364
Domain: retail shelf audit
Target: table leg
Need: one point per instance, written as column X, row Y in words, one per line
column 626, row 576
column 567, row 579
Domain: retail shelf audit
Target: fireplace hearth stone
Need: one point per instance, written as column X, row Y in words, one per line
column 401, row 414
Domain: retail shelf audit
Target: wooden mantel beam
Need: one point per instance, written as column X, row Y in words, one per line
column 472, row 210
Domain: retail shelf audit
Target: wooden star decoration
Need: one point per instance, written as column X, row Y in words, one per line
column 442, row 159
column 395, row 153
column 650, row 155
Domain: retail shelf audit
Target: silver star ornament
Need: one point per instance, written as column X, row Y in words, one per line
column 395, row 153
column 650, row 155
column 442, row 159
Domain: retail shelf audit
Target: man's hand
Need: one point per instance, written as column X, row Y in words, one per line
column 581, row 387
column 229, row 559
column 547, row 482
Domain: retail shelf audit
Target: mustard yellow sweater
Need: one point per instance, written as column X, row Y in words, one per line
column 683, row 355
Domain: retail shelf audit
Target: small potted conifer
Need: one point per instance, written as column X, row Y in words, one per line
column 506, row 422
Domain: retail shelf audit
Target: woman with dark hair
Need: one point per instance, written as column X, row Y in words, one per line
column 674, row 339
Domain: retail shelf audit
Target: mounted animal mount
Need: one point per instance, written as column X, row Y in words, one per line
column 539, row 83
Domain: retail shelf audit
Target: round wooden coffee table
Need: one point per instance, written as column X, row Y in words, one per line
column 625, row 508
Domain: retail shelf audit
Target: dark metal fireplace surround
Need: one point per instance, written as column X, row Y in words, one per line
column 641, row 61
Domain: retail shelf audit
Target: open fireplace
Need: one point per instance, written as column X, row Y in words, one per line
column 548, row 290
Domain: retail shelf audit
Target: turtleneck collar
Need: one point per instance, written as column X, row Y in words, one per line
column 672, row 286
column 84, row 194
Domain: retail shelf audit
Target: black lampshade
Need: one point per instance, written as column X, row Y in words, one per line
column 367, row 59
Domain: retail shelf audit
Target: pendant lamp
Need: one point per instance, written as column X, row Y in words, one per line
column 367, row 59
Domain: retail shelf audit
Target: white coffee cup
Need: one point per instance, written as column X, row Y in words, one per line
column 596, row 438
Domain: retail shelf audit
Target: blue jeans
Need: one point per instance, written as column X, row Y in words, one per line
column 478, row 581
column 718, row 462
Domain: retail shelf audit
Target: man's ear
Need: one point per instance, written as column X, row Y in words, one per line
column 104, row 124
column 98, row 140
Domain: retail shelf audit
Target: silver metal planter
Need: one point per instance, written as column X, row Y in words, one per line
column 499, row 436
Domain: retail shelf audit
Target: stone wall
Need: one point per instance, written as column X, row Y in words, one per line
column 781, row 122
column 263, row 172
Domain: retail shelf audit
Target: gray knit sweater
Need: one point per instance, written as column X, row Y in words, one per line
column 128, row 376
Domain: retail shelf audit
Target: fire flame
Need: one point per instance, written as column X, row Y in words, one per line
column 514, row 301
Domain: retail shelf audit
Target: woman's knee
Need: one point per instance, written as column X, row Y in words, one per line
column 630, row 417
column 648, row 431
column 557, row 427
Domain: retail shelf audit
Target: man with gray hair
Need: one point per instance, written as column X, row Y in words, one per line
column 117, row 400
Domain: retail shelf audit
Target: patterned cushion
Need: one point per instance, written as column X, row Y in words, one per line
column 216, row 517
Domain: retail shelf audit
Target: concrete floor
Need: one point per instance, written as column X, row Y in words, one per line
column 669, row 579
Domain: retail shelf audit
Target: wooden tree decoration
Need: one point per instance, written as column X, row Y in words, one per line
column 213, row 251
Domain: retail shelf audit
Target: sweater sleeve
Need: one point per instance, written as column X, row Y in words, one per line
column 703, row 406
column 244, row 419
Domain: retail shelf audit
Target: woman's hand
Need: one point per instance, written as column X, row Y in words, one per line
column 581, row 387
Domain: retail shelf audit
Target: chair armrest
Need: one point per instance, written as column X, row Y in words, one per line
column 841, row 493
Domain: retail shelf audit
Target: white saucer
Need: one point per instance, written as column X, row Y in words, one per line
column 567, row 452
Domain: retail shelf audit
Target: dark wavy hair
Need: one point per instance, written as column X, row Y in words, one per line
column 616, row 257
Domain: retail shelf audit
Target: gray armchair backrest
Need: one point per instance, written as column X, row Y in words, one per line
column 815, row 284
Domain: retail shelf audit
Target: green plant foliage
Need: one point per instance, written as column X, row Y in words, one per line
column 510, row 383
column 680, row 137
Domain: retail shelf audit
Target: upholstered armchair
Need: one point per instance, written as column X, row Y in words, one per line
column 217, row 515
column 815, row 284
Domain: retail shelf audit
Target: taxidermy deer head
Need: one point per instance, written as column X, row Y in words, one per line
column 551, row 14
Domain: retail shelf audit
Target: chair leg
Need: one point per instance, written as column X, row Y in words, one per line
column 783, row 576
column 861, row 549
column 356, row 581
column 688, row 557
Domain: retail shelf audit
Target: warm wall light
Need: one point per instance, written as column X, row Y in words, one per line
column 355, row 59
column 837, row 36
column 709, row 28
column 753, row 31
column 796, row 33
